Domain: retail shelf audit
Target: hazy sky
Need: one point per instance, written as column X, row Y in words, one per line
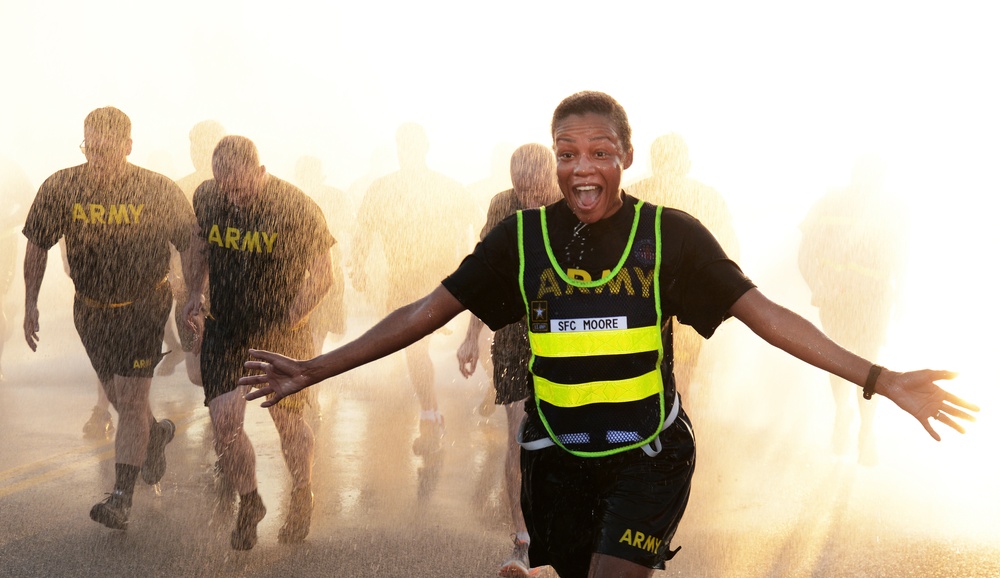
column 757, row 88
column 776, row 99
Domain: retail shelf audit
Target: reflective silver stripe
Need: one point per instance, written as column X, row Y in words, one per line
column 648, row 448
column 535, row 444
column 651, row 449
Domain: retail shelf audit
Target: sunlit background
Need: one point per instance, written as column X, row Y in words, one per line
column 776, row 101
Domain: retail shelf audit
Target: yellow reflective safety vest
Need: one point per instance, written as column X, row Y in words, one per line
column 596, row 347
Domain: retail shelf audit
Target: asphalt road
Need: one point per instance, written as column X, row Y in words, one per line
column 769, row 500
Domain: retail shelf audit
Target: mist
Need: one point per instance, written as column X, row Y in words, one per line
column 776, row 101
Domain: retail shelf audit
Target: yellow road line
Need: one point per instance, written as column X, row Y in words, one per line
column 56, row 473
column 77, row 458
column 18, row 470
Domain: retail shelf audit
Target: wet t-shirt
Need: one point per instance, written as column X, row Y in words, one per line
column 118, row 235
column 259, row 252
column 698, row 282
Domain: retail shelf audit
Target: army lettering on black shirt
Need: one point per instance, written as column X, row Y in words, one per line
column 258, row 253
column 698, row 282
column 117, row 235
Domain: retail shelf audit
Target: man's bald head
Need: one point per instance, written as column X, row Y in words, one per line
column 236, row 166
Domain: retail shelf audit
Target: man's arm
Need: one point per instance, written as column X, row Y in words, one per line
column 194, row 263
column 35, row 261
column 914, row 391
column 314, row 287
column 408, row 324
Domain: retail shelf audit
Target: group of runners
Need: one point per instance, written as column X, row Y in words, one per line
column 582, row 282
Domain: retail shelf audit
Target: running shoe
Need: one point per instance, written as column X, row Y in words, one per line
column 99, row 426
column 113, row 511
column 156, row 458
column 517, row 566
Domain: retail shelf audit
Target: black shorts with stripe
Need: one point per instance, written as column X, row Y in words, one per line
column 123, row 338
column 626, row 505
column 225, row 349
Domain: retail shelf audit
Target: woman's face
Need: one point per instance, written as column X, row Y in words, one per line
column 590, row 161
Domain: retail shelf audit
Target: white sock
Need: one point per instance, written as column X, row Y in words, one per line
column 430, row 415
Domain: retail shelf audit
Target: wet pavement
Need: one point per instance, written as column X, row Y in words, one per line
column 768, row 501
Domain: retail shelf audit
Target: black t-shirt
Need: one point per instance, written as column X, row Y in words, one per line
column 258, row 253
column 118, row 236
column 698, row 283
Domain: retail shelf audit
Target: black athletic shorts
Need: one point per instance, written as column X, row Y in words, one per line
column 626, row 505
column 511, row 354
column 123, row 338
column 224, row 350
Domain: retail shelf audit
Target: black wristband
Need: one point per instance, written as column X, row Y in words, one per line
column 873, row 374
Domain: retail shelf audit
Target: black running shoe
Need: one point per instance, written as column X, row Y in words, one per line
column 113, row 511
column 156, row 458
column 298, row 518
column 252, row 511
column 99, row 426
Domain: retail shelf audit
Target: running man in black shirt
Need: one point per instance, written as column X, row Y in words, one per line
column 119, row 222
column 262, row 248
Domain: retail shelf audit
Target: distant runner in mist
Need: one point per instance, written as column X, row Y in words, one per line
column 119, row 222
column 533, row 174
column 608, row 453
column 261, row 247
column 852, row 256
column 17, row 192
column 670, row 186
column 329, row 317
column 423, row 220
column 483, row 190
column 203, row 138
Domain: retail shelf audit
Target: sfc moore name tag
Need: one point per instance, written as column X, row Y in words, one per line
column 592, row 324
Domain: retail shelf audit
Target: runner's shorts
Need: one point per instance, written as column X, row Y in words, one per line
column 225, row 350
column 511, row 354
column 123, row 338
column 626, row 505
